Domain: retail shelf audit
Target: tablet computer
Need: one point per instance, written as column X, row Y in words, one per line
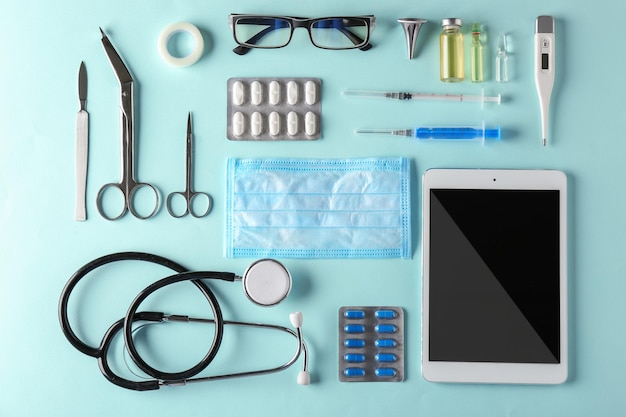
column 494, row 286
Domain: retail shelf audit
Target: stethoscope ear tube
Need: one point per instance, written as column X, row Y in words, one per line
column 217, row 314
column 103, row 363
column 266, row 272
column 86, row 269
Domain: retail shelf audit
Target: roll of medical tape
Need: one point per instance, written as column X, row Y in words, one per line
column 174, row 29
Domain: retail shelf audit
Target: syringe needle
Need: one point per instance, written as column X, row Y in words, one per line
column 394, row 132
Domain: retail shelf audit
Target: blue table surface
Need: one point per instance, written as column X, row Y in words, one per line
column 41, row 46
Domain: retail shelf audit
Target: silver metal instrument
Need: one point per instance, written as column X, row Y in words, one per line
column 192, row 198
column 128, row 184
column 82, row 146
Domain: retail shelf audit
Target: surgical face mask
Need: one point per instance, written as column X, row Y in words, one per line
column 318, row 208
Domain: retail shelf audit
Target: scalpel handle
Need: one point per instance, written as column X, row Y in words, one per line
column 82, row 151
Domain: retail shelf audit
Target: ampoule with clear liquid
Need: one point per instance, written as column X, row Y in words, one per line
column 502, row 69
column 476, row 55
column 451, row 51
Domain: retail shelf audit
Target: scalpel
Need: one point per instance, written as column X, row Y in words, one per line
column 82, row 145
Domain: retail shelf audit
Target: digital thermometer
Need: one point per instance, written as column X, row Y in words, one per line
column 544, row 68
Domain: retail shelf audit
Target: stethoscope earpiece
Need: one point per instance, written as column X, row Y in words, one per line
column 266, row 282
column 304, row 378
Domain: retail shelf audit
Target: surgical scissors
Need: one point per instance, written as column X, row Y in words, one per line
column 189, row 195
column 128, row 185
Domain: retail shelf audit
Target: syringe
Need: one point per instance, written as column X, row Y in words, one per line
column 398, row 95
column 464, row 133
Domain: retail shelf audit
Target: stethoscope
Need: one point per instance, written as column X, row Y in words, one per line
column 266, row 282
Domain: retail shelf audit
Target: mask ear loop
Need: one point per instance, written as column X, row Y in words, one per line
column 266, row 282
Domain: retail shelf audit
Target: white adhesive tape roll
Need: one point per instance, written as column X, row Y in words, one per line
column 170, row 31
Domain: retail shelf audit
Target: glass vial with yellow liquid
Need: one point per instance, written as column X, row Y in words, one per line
column 476, row 55
column 451, row 51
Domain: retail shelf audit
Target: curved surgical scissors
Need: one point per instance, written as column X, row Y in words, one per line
column 128, row 185
column 189, row 195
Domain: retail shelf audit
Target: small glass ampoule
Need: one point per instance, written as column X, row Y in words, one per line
column 476, row 55
column 451, row 51
column 502, row 70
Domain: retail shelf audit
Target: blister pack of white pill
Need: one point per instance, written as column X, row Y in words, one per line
column 274, row 109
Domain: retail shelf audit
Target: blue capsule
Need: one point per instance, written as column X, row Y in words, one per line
column 385, row 328
column 354, row 314
column 354, row 357
column 385, row 343
column 354, row 328
column 386, row 314
column 385, row 372
column 354, row 343
column 386, row 357
column 354, row 372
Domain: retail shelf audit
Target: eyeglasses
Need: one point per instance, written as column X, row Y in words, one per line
column 339, row 32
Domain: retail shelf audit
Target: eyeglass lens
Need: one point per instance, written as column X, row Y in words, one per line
column 262, row 32
column 275, row 32
column 339, row 33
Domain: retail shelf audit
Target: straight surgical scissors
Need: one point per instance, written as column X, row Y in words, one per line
column 128, row 185
column 189, row 195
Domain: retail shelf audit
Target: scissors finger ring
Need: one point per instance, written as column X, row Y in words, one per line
column 130, row 200
column 189, row 195
column 99, row 200
column 197, row 204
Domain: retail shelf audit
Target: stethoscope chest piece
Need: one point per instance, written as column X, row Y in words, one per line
column 266, row 282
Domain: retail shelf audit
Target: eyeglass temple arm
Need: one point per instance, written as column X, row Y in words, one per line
column 242, row 50
column 355, row 39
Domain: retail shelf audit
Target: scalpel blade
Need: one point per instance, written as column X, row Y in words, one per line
column 82, row 146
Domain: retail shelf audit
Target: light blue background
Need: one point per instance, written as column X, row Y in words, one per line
column 41, row 46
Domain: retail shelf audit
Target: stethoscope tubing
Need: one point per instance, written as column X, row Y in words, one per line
column 302, row 349
column 86, row 269
column 126, row 326
column 213, row 303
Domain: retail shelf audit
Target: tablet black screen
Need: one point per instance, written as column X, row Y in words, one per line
column 494, row 276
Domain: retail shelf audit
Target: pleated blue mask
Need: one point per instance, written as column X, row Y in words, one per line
column 318, row 208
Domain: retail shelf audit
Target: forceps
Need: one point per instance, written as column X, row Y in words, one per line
column 128, row 185
column 189, row 195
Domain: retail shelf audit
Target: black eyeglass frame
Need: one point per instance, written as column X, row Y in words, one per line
column 301, row 22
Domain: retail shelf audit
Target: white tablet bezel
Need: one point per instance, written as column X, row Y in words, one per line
column 475, row 372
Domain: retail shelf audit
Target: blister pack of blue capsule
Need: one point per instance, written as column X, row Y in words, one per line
column 371, row 344
column 274, row 109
